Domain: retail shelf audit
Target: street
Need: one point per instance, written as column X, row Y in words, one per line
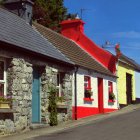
column 122, row 127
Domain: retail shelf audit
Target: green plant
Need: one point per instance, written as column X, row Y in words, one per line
column 60, row 99
column 6, row 99
column 53, row 107
column 112, row 96
column 88, row 93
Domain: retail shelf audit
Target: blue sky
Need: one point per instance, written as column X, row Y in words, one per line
column 116, row 21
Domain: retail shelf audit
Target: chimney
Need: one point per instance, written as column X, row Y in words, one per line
column 72, row 28
column 22, row 8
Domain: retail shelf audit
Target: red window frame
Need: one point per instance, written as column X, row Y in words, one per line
column 87, row 82
column 110, row 87
column 87, row 86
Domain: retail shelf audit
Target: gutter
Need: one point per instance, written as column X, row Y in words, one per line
column 75, row 92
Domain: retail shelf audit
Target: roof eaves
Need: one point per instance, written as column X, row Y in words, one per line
column 94, row 59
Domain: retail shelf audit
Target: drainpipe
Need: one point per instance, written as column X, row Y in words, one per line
column 75, row 92
column 117, row 67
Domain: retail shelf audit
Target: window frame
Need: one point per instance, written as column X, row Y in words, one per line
column 87, row 96
column 59, row 84
column 87, row 82
column 4, row 80
column 110, row 85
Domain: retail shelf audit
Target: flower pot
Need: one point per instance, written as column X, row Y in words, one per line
column 4, row 105
column 61, row 105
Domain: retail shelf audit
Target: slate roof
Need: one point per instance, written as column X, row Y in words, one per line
column 130, row 61
column 72, row 50
column 14, row 30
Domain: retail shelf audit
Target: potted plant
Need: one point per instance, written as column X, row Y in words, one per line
column 88, row 93
column 112, row 96
column 5, row 101
column 61, row 102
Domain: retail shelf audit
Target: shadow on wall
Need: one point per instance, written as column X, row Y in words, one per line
column 137, row 101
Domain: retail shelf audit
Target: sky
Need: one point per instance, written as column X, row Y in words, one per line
column 116, row 21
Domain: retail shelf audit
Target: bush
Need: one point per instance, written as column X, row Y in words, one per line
column 53, row 107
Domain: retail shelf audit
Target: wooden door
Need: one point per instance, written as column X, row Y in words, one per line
column 36, row 96
column 129, row 88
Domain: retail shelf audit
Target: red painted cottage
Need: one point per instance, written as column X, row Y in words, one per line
column 74, row 29
column 103, row 86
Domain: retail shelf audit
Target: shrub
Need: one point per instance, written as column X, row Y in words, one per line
column 53, row 107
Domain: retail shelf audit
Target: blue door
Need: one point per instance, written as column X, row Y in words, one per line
column 36, row 97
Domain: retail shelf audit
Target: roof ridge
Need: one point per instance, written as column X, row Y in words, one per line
column 51, row 44
column 46, row 28
column 61, row 42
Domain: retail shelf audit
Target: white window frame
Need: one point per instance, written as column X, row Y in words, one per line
column 4, row 80
column 59, row 86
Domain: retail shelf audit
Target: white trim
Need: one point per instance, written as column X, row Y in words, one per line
column 59, row 86
column 4, row 80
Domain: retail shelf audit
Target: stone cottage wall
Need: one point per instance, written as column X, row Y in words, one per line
column 19, row 86
column 48, row 79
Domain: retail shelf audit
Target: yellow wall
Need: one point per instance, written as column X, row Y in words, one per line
column 121, row 82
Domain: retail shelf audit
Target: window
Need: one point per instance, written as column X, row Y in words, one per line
column 60, row 77
column 87, row 83
column 2, row 78
column 110, row 87
column 110, row 91
column 87, row 87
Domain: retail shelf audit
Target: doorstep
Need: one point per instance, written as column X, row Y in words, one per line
column 38, row 125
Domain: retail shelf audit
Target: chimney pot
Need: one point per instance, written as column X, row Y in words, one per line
column 22, row 8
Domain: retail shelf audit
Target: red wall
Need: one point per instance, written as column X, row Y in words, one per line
column 83, row 112
column 74, row 29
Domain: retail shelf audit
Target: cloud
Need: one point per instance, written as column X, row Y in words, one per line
column 129, row 34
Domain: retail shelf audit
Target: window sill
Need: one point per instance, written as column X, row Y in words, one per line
column 111, row 101
column 88, row 99
column 7, row 110
column 88, row 88
column 61, row 105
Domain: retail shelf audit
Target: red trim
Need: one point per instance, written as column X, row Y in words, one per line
column 111, row 101
column 74, row 29
column 83, row 112
column 88, row 79
column 88, row 99
column 88, row 88
column 100, row 95
column 110, row 87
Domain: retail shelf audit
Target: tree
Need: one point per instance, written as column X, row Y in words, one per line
column 49, row 13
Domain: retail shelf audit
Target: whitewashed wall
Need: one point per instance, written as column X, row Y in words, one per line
column 94, row 85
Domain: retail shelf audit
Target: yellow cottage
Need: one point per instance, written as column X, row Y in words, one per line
column 126, row 80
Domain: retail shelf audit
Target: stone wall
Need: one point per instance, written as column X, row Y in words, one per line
column 19, row 86
column 48, row 79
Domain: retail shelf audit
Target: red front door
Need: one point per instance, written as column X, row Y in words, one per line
column 100, row 95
